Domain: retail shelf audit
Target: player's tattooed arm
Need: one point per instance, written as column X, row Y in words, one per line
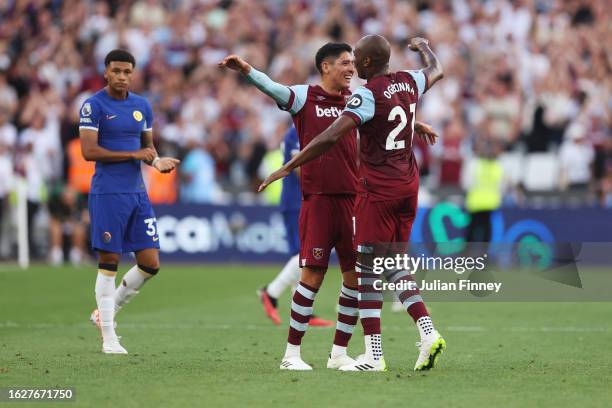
column 433, row 68
column 162, row 164
column 317, row 146
column 92, row 151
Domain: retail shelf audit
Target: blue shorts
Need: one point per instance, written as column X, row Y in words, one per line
column 122, row 223
column 291, row 218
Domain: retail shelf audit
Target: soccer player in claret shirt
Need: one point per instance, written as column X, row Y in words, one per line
column 384, row 110
column 116, row 131
column 328, row 195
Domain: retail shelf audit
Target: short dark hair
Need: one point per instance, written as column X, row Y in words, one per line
column 330, row 50
column 121, row 56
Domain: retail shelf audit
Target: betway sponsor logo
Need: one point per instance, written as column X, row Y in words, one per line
column 332, row 112
column 394, row 88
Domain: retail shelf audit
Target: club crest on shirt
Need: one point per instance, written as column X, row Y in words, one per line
column 317, row 253
column 86, row 109
column 354, row 102
column 106, row 237
column 137, row 115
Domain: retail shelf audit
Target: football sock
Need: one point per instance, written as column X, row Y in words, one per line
column 105, row 287
column 128, row 288
column 338, row 351
column 373, row 347
column 370, row 299
column 290, row 274
column 426, row 327
column 301, row 310
column 292, row 351
column 411, row 299
column 348, row 312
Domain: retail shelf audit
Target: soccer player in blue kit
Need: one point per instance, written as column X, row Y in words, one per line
column 116, row 132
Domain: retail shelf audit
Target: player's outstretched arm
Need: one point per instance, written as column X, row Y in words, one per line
column 162, row 164
column 317, row 146
column 433, row 68
column 93, row 152
column 279, row 92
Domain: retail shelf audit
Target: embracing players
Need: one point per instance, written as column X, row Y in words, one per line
column 116, row 131
column 384, row 110
column 328, row 191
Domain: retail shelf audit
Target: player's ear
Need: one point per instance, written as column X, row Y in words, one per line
column 324, row 67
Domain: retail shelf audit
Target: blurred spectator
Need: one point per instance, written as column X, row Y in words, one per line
column 576, row 156
column 162, row 188
column 451, row 159
column 8, row 96
column 483, row 181
column 69, row 218
column 198, row 177
column 8, row 139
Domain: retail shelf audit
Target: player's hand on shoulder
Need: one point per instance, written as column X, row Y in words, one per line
column 417, row 42
column 278, row 174
column 166, row 164
column 146, row 154
column 425, row 132
column 236, row 63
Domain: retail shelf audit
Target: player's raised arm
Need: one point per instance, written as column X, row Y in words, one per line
column 319, row 145
column 283, row 95
column 433, row 68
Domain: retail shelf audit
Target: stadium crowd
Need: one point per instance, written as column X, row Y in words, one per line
column 521, row 77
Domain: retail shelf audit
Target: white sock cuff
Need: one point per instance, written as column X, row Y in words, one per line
column 292, row 350
column 338, row 350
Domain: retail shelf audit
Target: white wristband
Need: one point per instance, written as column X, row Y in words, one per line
column 154, row 160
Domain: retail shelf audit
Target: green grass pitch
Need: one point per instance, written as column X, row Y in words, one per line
column 197, row 337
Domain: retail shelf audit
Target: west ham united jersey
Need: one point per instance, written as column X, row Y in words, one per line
column 119, row 123
column 313, row 110
column 384, row 110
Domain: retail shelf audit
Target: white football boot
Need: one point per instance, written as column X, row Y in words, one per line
column 112, row 346
column 294, row 363
column 363, row 363
column 339, row 361
column 429, row 351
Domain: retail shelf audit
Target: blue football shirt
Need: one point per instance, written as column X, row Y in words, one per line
column 291, row 195
column 119, row 123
